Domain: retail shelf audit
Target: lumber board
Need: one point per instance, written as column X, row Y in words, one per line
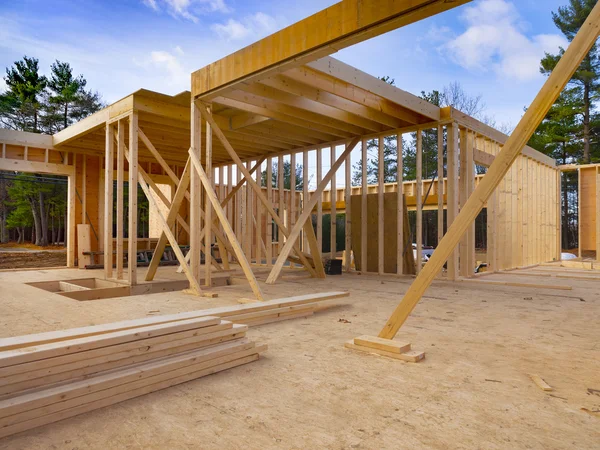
column 86, row 407
column 15, row 342
column 23, row 355
column 411, row 356
column 54, row 336
column 378, row 343
column 77, row 374
column 540, row 382
column 118, row 354
column 560, row 287
column 63, row 397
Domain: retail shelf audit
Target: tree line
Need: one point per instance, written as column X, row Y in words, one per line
column 34, row 206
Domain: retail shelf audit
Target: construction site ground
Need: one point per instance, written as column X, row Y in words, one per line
column 473, row 389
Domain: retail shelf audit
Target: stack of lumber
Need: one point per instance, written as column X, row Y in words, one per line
column 51, row 376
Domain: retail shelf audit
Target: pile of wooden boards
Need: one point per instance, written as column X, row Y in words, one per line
column 49, row 377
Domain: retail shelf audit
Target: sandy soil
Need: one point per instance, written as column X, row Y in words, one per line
column 471, row 391
column 28, row 259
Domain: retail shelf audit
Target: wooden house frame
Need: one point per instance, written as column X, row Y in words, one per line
column 285, row 97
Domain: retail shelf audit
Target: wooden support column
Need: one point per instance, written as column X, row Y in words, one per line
column 399, row 206
column 333, row 210
column 120, row 196
column 195, row 195
column 208, row 208
column 320, row 201
column 363, row 208
column 419, row 187
column 269, row 218
column 569, row 62
column 440, row 182
column 258, row 220
column 292, row 211
column 348, row 214
column 133, row 204
column 281, row 202
column 304, row 193
column 452, row 197
column 380, row 210
column 108, row 202
column 597, row 215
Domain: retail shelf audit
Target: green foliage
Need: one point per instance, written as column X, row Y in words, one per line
column 287, row 176
column 35, row 103
column 584, row 86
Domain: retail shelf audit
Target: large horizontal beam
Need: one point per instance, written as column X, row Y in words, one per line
column 339, row 26
column 24, row 138
column 18, row 165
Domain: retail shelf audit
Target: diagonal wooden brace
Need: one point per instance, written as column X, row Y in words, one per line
column 226, row 226
column 256, row 188
column 307, row 212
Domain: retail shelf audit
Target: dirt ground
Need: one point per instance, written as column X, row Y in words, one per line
column 28, row 258
column 471, row 391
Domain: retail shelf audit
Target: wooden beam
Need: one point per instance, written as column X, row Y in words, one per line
column 120, row 196
column 316, row 195
column 108, row 201
column 380, row 209
column 241, row 257
column 133, row 204
column 341, row 25
column 348, row 214
column 18, row 165
column 419, row 196
column 207, row 208
column 363, row 207
column 569, row 62
column 399, row 206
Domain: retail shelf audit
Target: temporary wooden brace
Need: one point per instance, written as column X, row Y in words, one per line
column 570, row 61
column 248, row 177
column 316, row 195
column 241, row 257
column 194, row 286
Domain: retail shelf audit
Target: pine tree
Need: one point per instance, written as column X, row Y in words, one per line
column 287, row 176
column 585, row 82
column 20, row 105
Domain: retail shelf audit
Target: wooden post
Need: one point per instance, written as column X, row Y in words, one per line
column 120, row 196
column 258, row 219
column 133, row 204
column 281, row 197
column 304, row 192
column 419, row 186
column 319, row 202
column 452, row 197
column 380, row 210
column 440, row 182
column 208, row 208
column 570, row 61
column 363, row 208
column 292, row 210
column 333, row 210
column 269, row 218
column 348, row 215
column 195, row 194
column 108, row 202
column 399, row 206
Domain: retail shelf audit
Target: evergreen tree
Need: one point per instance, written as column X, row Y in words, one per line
column 20, row 105
column 586, row 80
column 287, row 176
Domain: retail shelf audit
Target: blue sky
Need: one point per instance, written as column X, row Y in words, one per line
column 492, row 47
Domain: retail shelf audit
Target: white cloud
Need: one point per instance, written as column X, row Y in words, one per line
column 256, row 25
column 188, row 9
column 495, row 40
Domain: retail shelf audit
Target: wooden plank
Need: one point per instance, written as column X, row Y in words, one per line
column 195, row 257
column 382, row 344
column 270, row 219
column 411, row 356
column 348, row 214
column 319, row 156
column 304, row 191
column 207, row 208
column 440, row 182
column 569, row 62
column 98, row 401
column 453, row 191
column 540, row 383
column 84, row 245
column 524, row 285
column 333, row 210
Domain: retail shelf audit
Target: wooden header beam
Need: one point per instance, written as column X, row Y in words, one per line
column 339, row 26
